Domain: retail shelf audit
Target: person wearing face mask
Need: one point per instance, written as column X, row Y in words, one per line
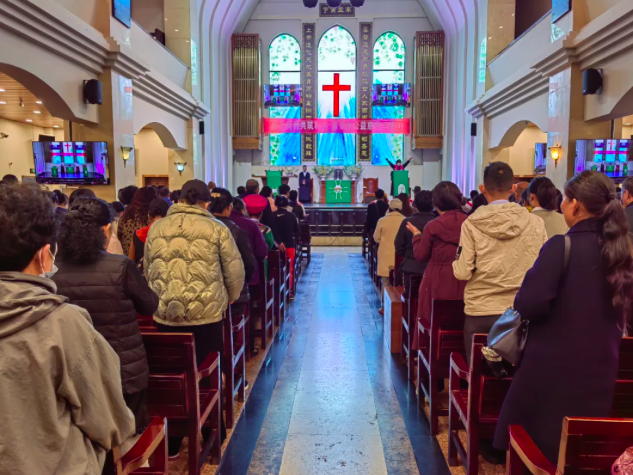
column 60, row 382
column 111, row 288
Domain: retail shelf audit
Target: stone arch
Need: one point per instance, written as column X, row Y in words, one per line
column 165, row 135
column 513, row 133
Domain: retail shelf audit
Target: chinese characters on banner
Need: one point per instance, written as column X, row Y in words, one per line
column 345, row 10
column 365, row 80
column 309, row 81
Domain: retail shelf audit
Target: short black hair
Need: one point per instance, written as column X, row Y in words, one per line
column 59, row 198
column 380, row 194
column 238, row 204
column 446, row 196
column 423, row 201
column 283, row 189
column 163, row 192
column 10, row 179
column 175, row 196
column 126, row 195
column 27, row 224
column 221, row 199
column 80, row 193
column 417, row 189
column 293, row 195
column 473, row 193
column 117, row 207
column 267, row 192
column 545, row 191
column 81, row 239
column 281, row 201
column 158, row 207
column 627, row 185
column 241, row 191
column 498, row 177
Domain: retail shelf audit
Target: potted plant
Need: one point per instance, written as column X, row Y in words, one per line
column 322, row 171
column 353, row 171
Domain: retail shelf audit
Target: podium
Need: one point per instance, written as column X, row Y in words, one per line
column 284, row 179
column 400, row 180
column 323, row 188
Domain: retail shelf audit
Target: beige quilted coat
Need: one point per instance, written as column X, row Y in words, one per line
column 499, row 244
column 385, row 235
column 193, row 264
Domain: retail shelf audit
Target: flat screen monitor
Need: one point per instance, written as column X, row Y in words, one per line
column 391, row 95
column 71, row 163
column 609, row 156
column 282, row 95
column 540, row 158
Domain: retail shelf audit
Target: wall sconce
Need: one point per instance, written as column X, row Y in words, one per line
column 125, row 154
column 555, row 153
column 180, row 167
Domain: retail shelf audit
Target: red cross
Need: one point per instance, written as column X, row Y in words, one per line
column 68, row 147
column 337, row 88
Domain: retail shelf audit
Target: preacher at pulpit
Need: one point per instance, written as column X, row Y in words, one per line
column 397, row 167
column 305, row 186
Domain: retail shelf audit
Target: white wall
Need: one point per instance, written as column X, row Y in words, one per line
column 149, row 14
column 521, row 154
column 151, row 155
column 16, row 151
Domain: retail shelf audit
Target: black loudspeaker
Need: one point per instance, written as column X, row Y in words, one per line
column 591, row 82
column 473, row 129
column 357, row 3
column 201, row 127
column 334, row 3
column 310, row 3
column 93, row 92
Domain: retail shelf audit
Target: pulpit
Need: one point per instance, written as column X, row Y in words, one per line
column 284, row 179
column 323, row 194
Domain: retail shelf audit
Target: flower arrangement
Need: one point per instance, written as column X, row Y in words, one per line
column 353, row 171
column 288, row 171
column 322, row 171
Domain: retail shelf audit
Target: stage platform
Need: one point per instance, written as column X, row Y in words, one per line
column 336, row 224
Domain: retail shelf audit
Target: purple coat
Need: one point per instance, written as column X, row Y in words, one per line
column 255, row 239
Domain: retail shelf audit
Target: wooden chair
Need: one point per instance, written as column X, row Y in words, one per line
column 623, row 398
column 151, row 447
column 186, row 394
column 436, row 344
column 370, row 185
column 233, row 363
column 288, row 288
column 276, row 271
column 261, row 306
column 476, row 409
column 306, row 241
column 588, row 446
column 409, row 317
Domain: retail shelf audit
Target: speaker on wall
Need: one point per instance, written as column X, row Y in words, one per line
column 591, row 82
column 473, row 129
column 93, row 92
column 334, row 3
column 310, row 3
column 357, row 3
column 201, row 127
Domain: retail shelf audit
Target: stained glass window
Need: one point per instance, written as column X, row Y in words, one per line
column 337, row 56
column 285, row 68
column 389, row 64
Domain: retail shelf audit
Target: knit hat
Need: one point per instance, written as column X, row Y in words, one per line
column 395, row 204
column 255, row 204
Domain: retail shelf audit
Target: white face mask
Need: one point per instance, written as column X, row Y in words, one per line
column 54, row 269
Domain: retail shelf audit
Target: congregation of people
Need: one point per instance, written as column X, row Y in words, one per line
column 505, row 247
column 77, row 273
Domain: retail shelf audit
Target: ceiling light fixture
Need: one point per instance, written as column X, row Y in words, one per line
column 3, row 102
column 29, row 120
column 56, row 126
column 36, row 112
column 628, row 124
column 501, row 27
column 2, row 90
column 176, row 31
column 38, row 102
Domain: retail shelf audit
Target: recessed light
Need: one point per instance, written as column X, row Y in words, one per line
column 513, row 14
column 29, row 120
column 501, row 28
column 628, row 124
column 2, row 102
column 2, row 90
column 56, row 126
column 38, row 102
column 186, row 41
column 176, row 31
column 490, row 37
column 36, row 112
column 165, row 19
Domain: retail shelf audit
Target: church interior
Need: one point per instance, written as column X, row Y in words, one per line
column 386, row 133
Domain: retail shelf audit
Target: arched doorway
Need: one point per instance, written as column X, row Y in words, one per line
column 156, row 156
column 524, row 148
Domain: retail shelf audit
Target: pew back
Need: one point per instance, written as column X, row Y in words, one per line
column 623, row 397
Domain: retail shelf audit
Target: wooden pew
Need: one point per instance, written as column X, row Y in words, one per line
column 395, row 274
column 261, row 306
column 623, row 398
column 393, row 318
column 277, row 271
column 288, row 288
column 151, row 447
column 475, row 409
column 588, row 446
column 233, row 363
column 365, row 245
column 409, row 317
column 146, row 324
column 436, row 344
column 186, row 394
column 306, row 241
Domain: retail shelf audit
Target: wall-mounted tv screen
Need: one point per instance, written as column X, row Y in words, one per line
column 540, row 158
column 391, row 95
column 282, row 95
column 71, row 163
column 611, row 157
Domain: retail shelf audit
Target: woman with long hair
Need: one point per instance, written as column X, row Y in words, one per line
column 111, row 288
column 544, row 201
column 577, row 311
column 407, row 210
column 135, row 216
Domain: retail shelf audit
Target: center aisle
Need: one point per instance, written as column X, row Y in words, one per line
column 334, row 407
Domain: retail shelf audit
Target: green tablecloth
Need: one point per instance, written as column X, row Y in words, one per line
column 338, row 191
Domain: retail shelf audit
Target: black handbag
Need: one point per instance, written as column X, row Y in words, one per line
column 508, row 336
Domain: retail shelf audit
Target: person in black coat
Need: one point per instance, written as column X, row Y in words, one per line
column 577, row 317
column 221, row 206
column 423, row 202
column 111, row 288
column 287, row 227
column 377, row 209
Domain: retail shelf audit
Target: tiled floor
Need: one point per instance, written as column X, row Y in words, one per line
column 330, row 399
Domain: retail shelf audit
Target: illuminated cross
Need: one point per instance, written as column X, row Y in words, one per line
column 68, row 147
column 337, row 88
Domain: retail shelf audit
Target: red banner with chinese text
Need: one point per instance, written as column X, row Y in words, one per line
column 337, row 126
